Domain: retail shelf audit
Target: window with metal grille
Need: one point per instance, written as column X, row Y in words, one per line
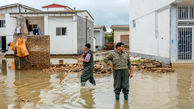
column 185, row 13
column 61, row 31
column 185, row 43
column 191, row 13
column 2, row 23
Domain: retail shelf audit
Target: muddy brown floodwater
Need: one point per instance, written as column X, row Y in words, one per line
column 35, row 90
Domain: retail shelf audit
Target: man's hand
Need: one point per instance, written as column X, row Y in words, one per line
column 80, row 59
column 111, row 65
column 82, row 55
column 130, row 73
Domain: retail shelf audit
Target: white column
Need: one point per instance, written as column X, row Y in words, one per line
column 173, row 35
column 46, row 25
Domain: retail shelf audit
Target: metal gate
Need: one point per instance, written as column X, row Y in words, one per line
column 185, row 43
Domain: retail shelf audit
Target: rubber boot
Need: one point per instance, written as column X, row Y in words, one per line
column 117, row 96
column 126, row 97
column 83, row 83
column 94, row 83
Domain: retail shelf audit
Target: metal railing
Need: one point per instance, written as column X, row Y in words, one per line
column 185, row 13
column 185, row 43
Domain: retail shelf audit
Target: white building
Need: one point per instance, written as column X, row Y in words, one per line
column 121, row 34
column 99, row 34
column 67, row 28
column 162, row 29
column 7, row 24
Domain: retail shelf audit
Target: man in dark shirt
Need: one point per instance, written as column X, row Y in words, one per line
column 88, row 64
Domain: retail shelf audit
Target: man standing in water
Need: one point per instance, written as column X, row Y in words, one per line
column 119, row 61
column 88, row 64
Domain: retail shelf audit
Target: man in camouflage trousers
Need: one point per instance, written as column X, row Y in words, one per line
column 119, row 60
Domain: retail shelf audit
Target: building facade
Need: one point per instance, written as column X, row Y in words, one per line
column 67, row 28
column 7, row 23
column 99, row 34
column 121, row 34
column 163, row 30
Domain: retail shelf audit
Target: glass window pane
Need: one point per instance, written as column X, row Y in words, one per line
column 58, row 31
column 63, row 31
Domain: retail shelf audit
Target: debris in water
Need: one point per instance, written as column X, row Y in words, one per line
column 99, row 68
column 147, row 65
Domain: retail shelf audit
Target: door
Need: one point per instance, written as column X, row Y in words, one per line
column 0, row 42
column 3, row 43
column 125, row 39
column 185, row 43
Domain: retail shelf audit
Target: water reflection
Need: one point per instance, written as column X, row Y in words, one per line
column 185, row 87
column 87, row 96
column 124, row 106
column 4, row 67
column 28, row 85
column 117, row 105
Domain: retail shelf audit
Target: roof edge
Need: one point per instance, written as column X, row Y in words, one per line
column 17, row 5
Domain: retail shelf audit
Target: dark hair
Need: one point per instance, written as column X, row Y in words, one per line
column 119, row 44
column 88, row 45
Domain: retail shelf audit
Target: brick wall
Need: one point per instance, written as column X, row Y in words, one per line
column 39, row 53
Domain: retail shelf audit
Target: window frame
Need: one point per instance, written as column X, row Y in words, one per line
column 61, row 31
column 2, row 24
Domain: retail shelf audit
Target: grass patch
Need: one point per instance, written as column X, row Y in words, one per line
column 99, row 61
column 136, row 61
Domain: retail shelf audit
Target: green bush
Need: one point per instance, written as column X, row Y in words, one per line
column 110, row 38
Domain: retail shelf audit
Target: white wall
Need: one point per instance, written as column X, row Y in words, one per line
column 100, row 37
column 173, row 40
column 142, row 37
column 13, row 10
column 10, row 23
column 10, row 28
column 151, row 35
column 140, row 8
column 164, row 33
column 117, row 35
column 62, row 44
column 9, row 10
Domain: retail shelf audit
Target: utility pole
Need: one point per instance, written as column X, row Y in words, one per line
column 86, row 29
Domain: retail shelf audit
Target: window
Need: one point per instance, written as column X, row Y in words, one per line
column 2, row 23
column 61, row 31
column 134, row 23
column 185, row 13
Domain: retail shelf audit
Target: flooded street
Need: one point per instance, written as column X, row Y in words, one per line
column 35, row 90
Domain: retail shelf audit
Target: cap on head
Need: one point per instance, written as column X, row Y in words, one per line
column 88, row 45
column 119, row 44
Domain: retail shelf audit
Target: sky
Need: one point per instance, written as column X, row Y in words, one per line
column 105, row 12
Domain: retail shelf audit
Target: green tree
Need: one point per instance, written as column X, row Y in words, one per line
column 110, row 37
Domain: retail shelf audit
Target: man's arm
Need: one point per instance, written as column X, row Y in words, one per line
column 87, row 58
column 108, row 60
column 129, row 63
